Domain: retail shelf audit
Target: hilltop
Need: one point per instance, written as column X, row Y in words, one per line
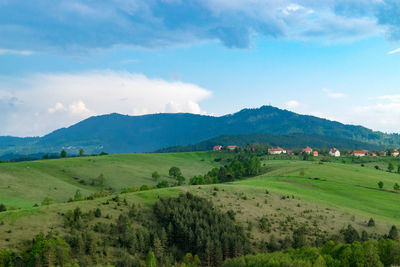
column 116, row 133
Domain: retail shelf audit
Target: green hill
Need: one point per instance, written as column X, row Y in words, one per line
column 286, row 141
column 23, row 184
column 115, row 133
column 322, row 196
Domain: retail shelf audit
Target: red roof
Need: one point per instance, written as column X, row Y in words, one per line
column 360, row 152
column 333, row 150
column 307, row 149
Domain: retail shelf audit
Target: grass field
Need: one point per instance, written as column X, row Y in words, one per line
column 324, row 196
column 25, row 183
column 348, row 187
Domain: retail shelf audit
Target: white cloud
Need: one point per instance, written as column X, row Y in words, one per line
column 15, row 52
column 292, row 104
column 57, row 107
column 331, row 94
column 394, row 51
column 41, row 103
column 391, row 98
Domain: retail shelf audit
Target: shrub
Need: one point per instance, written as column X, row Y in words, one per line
column 371, row 222
column 2, row 207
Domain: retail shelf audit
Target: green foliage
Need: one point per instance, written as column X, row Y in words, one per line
column 63, row 153
column 162, row 184
column 47, row 201
column 174, row 172
column 394, row 233
column 194, row 226
column 81, row 152
column 239, row 168
column 2, row 207
column 78, row 195
column 155, row 175
column 380, row 184
column 151, row 260
column 390, row 167
column 369, row 254
column 371, row 222
column 396, row 187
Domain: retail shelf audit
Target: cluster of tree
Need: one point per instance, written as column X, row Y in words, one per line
column 186, row 229
column 384, row 252
column 192, row 224
column 237, row 169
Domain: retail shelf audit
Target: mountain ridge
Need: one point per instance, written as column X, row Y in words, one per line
column 117, row 133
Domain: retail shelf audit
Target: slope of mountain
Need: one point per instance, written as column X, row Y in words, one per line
column 117, row 133
column 287, row 141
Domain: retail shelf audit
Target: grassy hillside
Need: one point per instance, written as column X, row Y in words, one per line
column 322, row 196
column 25, row 183
column 348, row 187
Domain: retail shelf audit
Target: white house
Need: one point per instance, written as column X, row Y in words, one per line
column 334, row 152
column 276, row 151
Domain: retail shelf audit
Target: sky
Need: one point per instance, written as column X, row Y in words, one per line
column 64, row 61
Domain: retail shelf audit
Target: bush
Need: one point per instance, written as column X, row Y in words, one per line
column 2, row 207
column 371, row 222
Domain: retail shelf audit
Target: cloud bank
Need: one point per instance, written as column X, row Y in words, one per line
column 37, row 104
column 82, row 24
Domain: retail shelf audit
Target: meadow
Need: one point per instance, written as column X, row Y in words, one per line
column 24, row 184
column 322, row 196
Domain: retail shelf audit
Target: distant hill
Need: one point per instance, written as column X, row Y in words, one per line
column 116, row 133
column 286, row 141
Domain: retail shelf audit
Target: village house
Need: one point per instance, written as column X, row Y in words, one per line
column 373, row 154
column 359, row 153
column 307, row 150
column 276, row 151
column 231, row 148
column 334, row 152
column 382, row 153
column 217, row 148
column 395, row 153
column 315, row 153
column 290, row 152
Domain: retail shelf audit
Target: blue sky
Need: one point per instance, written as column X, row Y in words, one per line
column 65, row 61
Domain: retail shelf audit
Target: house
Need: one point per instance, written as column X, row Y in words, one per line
column 382, row 153
column 395, row 153
column 276, row 151
column 307, row 150
column 315, row 153
column 359, row 153
column 290, row 152
column 231, row 148
column 217, row 148
column 372, row 154
column 334, row 152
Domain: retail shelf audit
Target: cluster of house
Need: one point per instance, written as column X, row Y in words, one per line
column 334, row 152
column 308, row 150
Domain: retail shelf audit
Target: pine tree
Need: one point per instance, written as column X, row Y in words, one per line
column 394, row 233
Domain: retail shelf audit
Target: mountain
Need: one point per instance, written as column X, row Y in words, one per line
column 286, row 141
column 116, row 133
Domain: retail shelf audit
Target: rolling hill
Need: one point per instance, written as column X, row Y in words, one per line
column 323, row 196
column 24, row 184
column 115, row 133
column 287, row 141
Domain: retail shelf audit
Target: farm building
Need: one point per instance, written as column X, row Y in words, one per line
column 217, row 148
column 307, row 150
column 231, row 148
column 359, row 153
column 276, row 151
column 334, row 152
